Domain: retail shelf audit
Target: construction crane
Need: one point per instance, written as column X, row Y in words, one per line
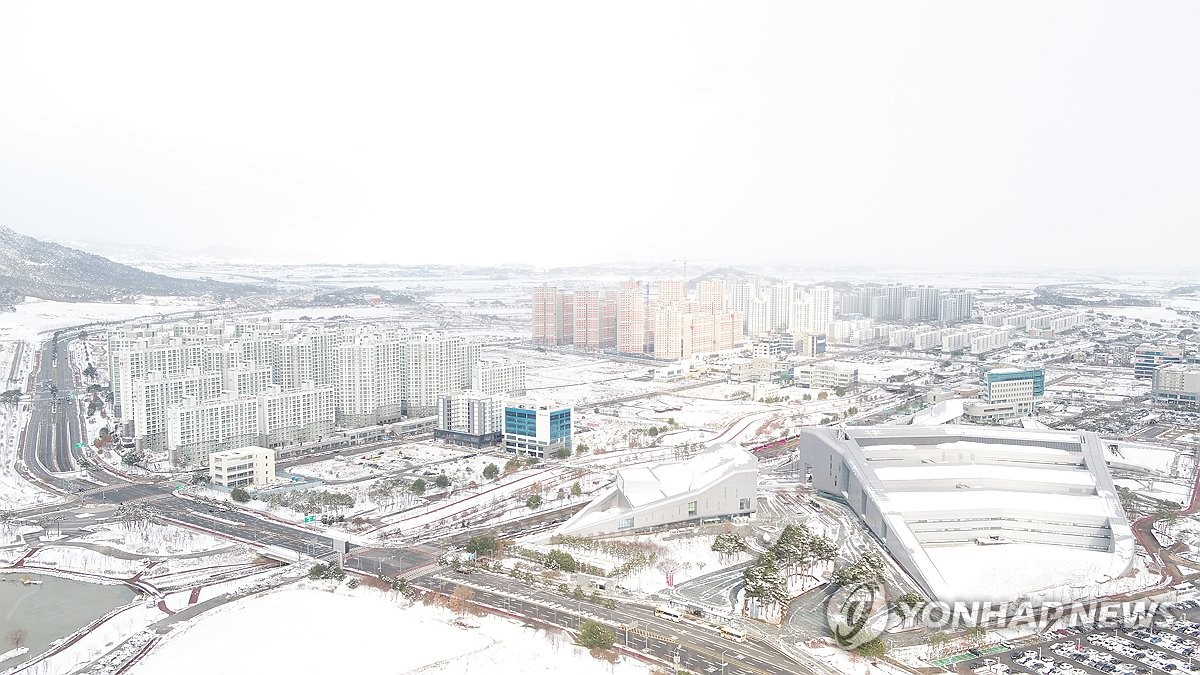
column 685, row 262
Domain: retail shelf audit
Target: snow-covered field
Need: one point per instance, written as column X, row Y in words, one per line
column 153, row 539
column 687, row 554
column 881, row 370
column 362, row 632
column 87, row 560
column 34, row 317
column 578, row 380
column 1155, row 458
column 1158, row 489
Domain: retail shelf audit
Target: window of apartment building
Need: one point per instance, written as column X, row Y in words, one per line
column 691, row 508
column 744, row 504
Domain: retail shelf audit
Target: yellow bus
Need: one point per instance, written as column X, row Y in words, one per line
column 735, row 634
column 667, row 613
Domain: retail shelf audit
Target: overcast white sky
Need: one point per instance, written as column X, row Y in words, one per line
column 567, row 132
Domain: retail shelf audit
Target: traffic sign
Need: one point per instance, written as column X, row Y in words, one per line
column 309, row 519
column 79, row 445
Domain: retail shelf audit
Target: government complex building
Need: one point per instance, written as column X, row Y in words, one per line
column 972, row 513
column 719, row 483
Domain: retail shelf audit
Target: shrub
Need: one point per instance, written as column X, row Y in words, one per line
column 594, row 635
column 240, row 495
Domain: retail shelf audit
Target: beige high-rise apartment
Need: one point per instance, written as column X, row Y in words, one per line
column 711, row 294
column 631, row 317
column 671, row 290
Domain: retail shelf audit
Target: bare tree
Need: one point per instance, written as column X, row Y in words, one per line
column 461, row 598
column 17, row 637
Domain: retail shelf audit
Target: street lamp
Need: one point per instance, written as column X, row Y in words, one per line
column 723, row 651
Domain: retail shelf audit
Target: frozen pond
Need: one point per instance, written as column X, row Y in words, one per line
column 36, row 614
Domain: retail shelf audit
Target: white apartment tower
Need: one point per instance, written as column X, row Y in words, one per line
column 154, row 393
column 499, row 377
column 437, row 363
column 298, row 416
column 371, row 380
column 196, row 429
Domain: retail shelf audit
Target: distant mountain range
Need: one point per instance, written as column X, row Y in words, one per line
column 41, row 269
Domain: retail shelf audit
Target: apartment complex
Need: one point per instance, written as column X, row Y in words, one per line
column 910, row 304
column 672, row 324
column 197, row 387
column 627, row 321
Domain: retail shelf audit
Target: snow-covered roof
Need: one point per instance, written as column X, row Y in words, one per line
column 890, row 474
column 938, row 489
column 940, row 413
column 644, row 485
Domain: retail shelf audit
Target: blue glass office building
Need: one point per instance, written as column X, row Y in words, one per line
column 537, row 429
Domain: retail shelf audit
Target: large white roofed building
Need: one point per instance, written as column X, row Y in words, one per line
column 988, row 514
column 720, row 482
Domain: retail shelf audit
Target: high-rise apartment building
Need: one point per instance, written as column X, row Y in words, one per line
column 197, row 429
column 437, row 363
column 779, row 300
column 372, row 380
column 155, row 392
column 470, row 418
column 710, row 294
column 671, row 291
column 247, row 379
column 300, row 415
column 499, row 377
column 631, row 317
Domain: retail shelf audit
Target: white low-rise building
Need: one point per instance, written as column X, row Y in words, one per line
column 719, row 483
column 242, row 467
column 825, row 376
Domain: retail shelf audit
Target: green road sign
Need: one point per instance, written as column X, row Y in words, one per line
column 79, row 445
column 309, row 519
column 179, row 487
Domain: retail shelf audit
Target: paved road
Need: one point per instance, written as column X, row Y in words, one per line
column 49, row 450
column 54, row 425
column 701, row 649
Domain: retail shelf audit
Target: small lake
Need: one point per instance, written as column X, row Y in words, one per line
column 50, row 610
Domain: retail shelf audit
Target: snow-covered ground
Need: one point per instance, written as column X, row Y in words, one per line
column 34, row 317
column 687, row 555
column 364, row 632
column 1155, row 458
column 879, row 370
column 85, row 560
column 1157, row 489
column 153, row 539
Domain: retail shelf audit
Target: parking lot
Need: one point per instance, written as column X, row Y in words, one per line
column 1172, row 645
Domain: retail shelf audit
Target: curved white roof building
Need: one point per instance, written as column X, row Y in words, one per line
column 720, row 482
column 976, row 513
